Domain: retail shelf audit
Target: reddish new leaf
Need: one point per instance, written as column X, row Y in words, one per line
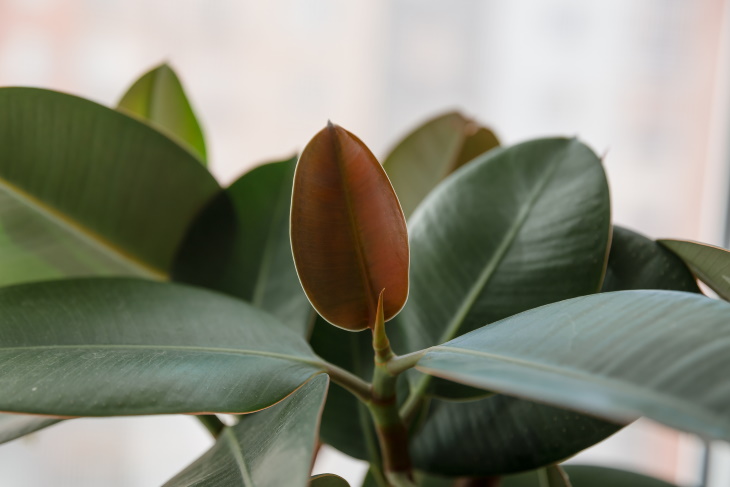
column 348, row 233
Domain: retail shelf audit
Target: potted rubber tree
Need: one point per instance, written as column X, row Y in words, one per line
column 464, row 314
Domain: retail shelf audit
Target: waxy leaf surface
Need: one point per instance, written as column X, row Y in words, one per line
column 239, row 245
column 158, row 98
column 88, row 191
column 636, row 262
column 531, row 434
column 619, row 356
column 517, row 228
column 348, row 234
column 523, row 435
column 457, row 234
column 103, row 347
column 431, row 152
column 710, row 264
column 270, row 448
column 520, row 227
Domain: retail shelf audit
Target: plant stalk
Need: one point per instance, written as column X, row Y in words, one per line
column 360, row 388
column 383, row 406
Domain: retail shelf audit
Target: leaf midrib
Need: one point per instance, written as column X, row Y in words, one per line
column 80, row 231
column 238, row 456
column 367, row 281
column 178, row 348
column 477, row 288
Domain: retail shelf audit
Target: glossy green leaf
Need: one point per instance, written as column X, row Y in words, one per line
column 14, row 426
column 271, row 448
column 158, row 98
column 431, row 152
column 328, row 480
column 619, row 356
column 540, row 434
column 593, row 476
column 636, row 262
column 102, row 347
column 450, row 256
column 348, row 233
column 87, row 191
column 522, row 435
column 710, row 264
column 518, row 228
column 240, row 245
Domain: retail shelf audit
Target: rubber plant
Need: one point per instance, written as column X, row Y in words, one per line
column 500, row 329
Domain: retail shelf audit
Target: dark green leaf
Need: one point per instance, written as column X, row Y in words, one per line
column 710, row 264
column 511, row 222
column 544, row 434
column 619, row 356
column 14, row 426
column 158, row 98
column 271, row 448
column 431, row 152
column 635, row 262
column 87, row 191
column 453, row 391
column 102, row 347
column 500, row 435
column 240, row 245
column 328, row 480
column 518, row 228
column 592, row 476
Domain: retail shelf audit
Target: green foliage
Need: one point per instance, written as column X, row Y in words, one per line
column 88, row 191
column 248, row 455
column 592, row 476
column 431, row 152
column 534, row 327
column 158, row 98
column 617, row 356
column 710, row 264
column 137, row 347
column 239, row 245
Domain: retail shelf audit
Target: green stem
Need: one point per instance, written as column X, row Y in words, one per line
column 383, row 406
column 391, row 431
column 400, row 363
column 212, row 424
column 360, row 388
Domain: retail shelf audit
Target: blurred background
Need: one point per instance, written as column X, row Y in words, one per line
column 644, row 82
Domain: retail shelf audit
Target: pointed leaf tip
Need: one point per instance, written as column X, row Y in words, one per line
column 159, row 99
column 348, row 233
column 381, row 344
